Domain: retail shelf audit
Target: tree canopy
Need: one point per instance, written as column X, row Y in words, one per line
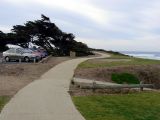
column 46, row 34
column 2, row 41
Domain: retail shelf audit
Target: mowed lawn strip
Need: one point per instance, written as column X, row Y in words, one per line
column 137, row 106
column 3, row 101
column 105, row 63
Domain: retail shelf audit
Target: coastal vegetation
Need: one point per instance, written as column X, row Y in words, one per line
column 3, row 101
column 108, row 62
column 46, row 34
column 119, row 104
column 121, row 69
column 121, row 78
column 135, row 106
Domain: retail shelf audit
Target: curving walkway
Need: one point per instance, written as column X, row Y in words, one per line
column 46, row 98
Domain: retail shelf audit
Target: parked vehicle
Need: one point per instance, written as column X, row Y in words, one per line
column 34, row 52
column 43, row 53
column 20, row 54
column 39, row 53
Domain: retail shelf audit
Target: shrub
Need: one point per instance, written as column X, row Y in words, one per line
column 121, row 78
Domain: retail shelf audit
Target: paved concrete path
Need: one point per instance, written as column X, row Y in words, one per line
column 46, row 98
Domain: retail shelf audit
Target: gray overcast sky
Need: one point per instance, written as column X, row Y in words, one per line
column 125, row 25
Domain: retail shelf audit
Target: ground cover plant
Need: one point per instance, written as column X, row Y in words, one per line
column 110, row 70
column 109, row 63
column 137, row 106
column 3, row 101
column 121, row 78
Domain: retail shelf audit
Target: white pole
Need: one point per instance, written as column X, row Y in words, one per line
column 34, row 60
column 20, row 60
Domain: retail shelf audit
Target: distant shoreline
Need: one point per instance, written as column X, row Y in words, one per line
column 145, row 55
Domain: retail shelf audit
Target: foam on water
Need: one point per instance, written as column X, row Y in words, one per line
column 147, row 55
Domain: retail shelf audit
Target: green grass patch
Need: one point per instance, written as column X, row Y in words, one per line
column 137, row 106
column 3, row 101
column 132, row 61
column 113, row 56
column 121, row 78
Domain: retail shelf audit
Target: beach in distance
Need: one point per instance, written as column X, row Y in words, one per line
column 146, row 55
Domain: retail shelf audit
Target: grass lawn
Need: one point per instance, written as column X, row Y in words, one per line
column 137, row 106
column 132, row 61
column 3, row 101
column 112, row 56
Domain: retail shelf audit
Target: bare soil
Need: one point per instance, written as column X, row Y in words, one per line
column 14, row 77
column 77, row 91
column 147, row 73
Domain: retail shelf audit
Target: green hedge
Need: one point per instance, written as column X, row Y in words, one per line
column 121, row 78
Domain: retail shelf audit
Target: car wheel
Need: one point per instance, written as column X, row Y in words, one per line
column 7, row 59
column 26, row 59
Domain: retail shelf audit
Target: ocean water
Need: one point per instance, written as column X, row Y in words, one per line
column 147, row 55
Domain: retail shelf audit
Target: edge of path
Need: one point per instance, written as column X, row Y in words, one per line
column 46, row 98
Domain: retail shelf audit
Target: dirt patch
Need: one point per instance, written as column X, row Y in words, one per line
column 149, row 74
column 93, row 73
column 13, row 77
column 77, row 91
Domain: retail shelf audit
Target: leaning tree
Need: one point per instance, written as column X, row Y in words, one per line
column 46, row 34
column 3, row 42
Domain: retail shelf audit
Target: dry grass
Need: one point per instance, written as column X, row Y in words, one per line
column 13, row 77
column 102, row 69
column 148, row 74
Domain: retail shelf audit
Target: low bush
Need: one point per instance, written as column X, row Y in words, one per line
column 121, row 78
